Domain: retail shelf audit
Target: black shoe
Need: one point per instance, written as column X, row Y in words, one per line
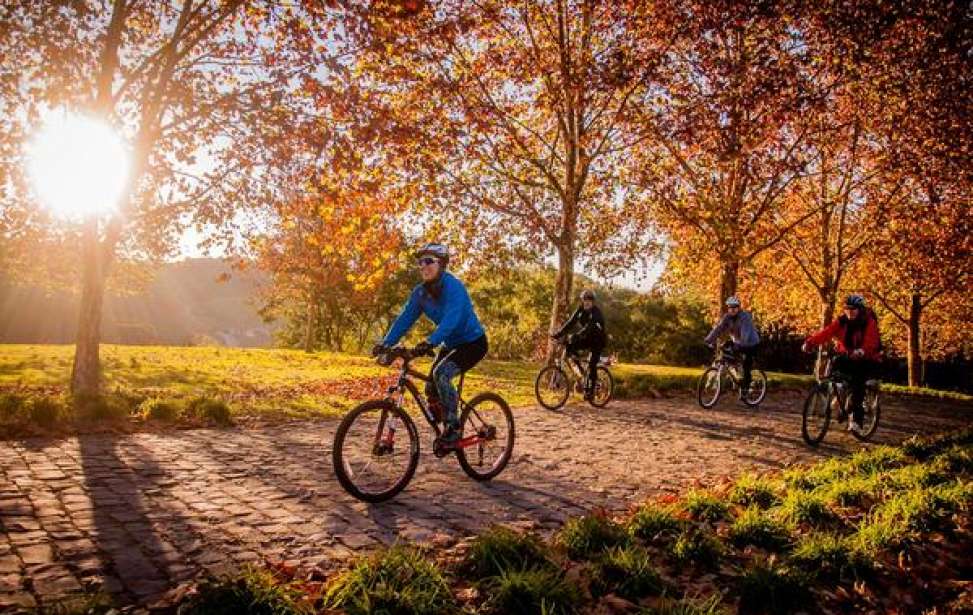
column 450, row 437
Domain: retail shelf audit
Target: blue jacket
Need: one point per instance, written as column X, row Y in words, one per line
column 452, row 312
column 740, row 328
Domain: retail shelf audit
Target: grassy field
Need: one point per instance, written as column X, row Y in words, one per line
column 292, row 381
column 285, row 383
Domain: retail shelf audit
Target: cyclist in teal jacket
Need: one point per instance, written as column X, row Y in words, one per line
column 446, row 302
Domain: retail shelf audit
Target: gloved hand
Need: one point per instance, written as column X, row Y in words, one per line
column 422, row 348
column 857, row 353
column 379, row 349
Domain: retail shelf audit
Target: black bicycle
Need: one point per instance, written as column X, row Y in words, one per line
column 376, row 447
column 554, row 383
column 831, row 395
column 726, row 372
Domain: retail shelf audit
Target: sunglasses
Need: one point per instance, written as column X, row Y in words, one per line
column 427, row 260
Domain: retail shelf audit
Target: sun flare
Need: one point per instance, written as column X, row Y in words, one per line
column 78, row 166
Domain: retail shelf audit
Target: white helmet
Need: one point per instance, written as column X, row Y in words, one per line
column 435, row 249
column 733, row 302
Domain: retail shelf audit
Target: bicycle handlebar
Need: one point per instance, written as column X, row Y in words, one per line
column 401, row 352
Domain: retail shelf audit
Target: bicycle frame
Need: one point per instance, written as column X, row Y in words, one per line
column 396, row 394
column 724, row 360
column 576, row 370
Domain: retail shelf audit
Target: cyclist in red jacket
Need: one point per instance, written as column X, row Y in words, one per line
column 859, row 350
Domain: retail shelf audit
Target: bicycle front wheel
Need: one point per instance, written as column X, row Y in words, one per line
column 872, row 412
column 816, row 417
column 708, row 388
column 758, row 388
column 552, row 387
column 488, row 417
column 604, row 388
column 375, row 451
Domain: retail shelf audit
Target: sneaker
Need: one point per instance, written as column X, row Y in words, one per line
column 450, row 437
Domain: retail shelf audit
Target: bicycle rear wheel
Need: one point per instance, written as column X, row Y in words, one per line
column 872, row 412
column 552, row 387
column 816, row 417
column 604, row 388
column 489, row 417
column 375, row 451
column 758, row 388
column 708, row 388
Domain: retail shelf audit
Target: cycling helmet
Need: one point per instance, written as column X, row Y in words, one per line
column 733, row 302
column 438, row 250
column 855, row 301
column 588, row 294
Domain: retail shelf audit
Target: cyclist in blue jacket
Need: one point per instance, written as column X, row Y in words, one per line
column 445, row 301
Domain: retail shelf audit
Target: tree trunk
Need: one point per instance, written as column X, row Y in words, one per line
column 86, row 372
column 562, row 289
column 827, row 315
column 728, row 281
column 915, row 358
column 310, row 328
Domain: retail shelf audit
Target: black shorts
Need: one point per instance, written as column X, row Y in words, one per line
column 465, row 356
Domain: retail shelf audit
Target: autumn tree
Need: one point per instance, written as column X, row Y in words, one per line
column 329, row 249
column 510, row 115
column 727, row 135
column 201, row 90
column 924, row 259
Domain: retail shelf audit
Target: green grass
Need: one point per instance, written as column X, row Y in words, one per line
column 830, row 556
column 396, row 580
column 687, row 606
column 627, row 572
column 694, row 547
column 637, row 380
column 802, row 508
column 898, row 389
column 253, row 591
column 588, row 536
column 753, row 490
column 852, row 491
column 704, row 506
column 654, row 523
column 753, row 527
column 499, row 549
column 545, row 591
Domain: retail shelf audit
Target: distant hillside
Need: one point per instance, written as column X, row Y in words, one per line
column 185, row 304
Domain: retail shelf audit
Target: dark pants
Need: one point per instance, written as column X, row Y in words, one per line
column 858, row 372
column 747, row 354
column 595, row 347
column 448, row 364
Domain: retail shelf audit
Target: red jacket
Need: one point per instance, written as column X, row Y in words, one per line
column 867, row 339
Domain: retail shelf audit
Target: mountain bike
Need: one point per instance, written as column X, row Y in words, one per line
column 554, row 382
column 831, row 393
column 376, row 447
column 726, row 372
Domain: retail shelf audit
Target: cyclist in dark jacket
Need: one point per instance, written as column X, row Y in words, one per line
column 738, row 323
column 585, row 330
column 445, row 301
column 859, row 350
